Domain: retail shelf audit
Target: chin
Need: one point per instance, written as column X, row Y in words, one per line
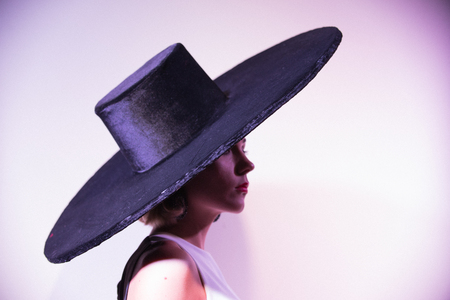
column 238, row 208
column 233, row 206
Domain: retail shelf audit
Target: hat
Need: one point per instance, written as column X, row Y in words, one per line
column 170, row 121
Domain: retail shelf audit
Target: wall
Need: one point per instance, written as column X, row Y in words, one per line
column 349, row 198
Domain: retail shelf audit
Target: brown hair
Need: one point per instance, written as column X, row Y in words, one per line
column 168, row 212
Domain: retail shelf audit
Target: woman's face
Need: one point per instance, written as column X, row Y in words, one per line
column 222, row 186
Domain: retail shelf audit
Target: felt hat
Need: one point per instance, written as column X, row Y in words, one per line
column 170, row 121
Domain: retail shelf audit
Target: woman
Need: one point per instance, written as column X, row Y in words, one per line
column 182, row 162
column 163, row 269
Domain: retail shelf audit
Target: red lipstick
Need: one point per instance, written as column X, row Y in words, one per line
column 242, row 188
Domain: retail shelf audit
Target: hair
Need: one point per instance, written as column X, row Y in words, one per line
column 168, row 212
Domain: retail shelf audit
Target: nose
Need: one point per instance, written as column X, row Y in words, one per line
column 244, row 165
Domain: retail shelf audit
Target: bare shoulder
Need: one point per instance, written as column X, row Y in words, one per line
column 166, row 272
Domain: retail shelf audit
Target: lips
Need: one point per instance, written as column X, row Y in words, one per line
column 242, row 188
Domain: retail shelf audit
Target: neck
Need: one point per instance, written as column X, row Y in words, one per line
column 190, row 228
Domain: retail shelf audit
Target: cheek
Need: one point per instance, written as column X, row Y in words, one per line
column 202, row 185
column 216, row 181
column 208, row 186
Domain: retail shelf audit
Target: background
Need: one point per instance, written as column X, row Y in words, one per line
column 350, row 195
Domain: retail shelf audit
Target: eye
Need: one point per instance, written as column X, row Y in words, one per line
column 227, row 152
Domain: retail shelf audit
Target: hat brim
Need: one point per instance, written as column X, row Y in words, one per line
column 116, row 196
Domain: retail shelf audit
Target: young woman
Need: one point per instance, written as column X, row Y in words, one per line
column 182, row 162
column 169, row 268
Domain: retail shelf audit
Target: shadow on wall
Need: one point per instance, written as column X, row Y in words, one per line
column 227, row 242
column 316, row 240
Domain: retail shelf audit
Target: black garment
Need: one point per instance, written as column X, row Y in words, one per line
column 150, row 243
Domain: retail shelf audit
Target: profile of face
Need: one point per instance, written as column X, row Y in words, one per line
column 222, row 186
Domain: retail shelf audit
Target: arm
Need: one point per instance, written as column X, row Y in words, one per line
column 167, row 273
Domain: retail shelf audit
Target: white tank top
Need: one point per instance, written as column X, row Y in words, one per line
column 216, row 287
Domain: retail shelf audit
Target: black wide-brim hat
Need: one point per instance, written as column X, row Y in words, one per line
column 170, row 121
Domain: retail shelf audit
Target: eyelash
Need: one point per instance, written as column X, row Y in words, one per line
column 229, row 150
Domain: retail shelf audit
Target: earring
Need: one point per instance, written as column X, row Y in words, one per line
column 217, row 218
column 184, row 205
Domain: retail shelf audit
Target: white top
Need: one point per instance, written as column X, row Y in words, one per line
column 216, row 287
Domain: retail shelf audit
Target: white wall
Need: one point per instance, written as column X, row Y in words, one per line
column 350, row 195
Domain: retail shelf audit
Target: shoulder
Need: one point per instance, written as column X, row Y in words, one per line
column 166, row 272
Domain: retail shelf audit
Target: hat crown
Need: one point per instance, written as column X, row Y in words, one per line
column 160, row 107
